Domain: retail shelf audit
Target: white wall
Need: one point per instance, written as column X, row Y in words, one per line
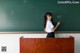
column 12, row 40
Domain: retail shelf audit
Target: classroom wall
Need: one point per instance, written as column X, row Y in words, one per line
column 12, row 40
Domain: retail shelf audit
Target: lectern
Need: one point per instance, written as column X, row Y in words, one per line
column 47, row 45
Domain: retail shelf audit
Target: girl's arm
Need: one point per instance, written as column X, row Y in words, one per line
column 56, row 26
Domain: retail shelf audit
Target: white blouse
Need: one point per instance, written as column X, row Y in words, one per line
column 49, row 26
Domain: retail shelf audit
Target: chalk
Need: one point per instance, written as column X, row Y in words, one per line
column 59, row 16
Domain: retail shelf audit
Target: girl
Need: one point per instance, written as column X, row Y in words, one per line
column 49, row 25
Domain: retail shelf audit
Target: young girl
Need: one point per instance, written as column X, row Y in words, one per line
column 49, row 25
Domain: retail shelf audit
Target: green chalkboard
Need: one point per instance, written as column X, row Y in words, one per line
column 27, row 15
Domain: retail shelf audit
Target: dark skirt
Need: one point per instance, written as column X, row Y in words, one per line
column 50, row 35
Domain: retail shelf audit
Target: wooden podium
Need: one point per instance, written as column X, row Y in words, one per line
column 46, row 45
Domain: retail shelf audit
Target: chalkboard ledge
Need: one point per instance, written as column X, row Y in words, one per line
column 38, row 32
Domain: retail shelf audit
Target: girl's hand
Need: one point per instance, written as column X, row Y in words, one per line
column 45, row 30
column 58, row 23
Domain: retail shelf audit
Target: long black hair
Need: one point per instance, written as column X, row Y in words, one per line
column 45, row 18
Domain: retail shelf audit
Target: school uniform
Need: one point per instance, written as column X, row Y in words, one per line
column 49, row 30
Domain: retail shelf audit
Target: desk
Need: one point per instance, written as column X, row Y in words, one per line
column 46, row 45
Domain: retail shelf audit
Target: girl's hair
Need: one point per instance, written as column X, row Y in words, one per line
column 45, row 18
